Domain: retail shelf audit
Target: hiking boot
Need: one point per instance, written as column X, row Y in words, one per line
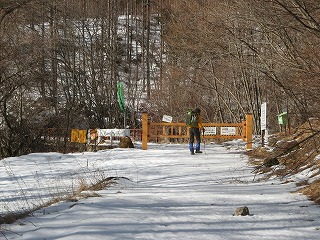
column 198, row 151
column 192, row 153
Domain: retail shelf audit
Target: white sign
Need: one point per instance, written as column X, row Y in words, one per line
column 209, row 131
column 263, row 116
column 113, row 132
column 166, row 118
column 228, row 131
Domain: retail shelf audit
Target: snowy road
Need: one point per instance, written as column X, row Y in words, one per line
column 170, row 195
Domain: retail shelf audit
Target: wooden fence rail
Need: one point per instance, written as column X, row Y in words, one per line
column 156, row 131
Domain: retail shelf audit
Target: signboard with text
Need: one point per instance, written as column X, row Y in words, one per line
column 82, row 136
column 166, row 118
column 264, row 116
column 228, row 131
column 78, row 136
column 74, row 135
column 209, row 131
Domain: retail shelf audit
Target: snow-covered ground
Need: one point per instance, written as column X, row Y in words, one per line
column 162, row 193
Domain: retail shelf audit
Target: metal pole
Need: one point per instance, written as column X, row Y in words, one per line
column 204, row 143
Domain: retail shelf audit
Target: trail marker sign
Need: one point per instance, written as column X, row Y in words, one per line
column 167, row 118
column 263, row 116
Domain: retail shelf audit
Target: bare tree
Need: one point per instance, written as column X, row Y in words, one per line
column 62, row 61
column 239, row 50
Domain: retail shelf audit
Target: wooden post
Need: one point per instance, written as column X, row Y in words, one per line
column 249, row 131
column 145, row 131
column 244, row 130
column 263, row 134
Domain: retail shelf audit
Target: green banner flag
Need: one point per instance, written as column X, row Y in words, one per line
column 120, row 97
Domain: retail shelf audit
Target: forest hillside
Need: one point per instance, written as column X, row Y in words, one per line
column 63, row 64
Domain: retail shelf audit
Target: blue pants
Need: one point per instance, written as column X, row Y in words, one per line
column 194, row 133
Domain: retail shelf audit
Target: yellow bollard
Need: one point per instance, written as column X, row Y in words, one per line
column 145, row 131
column 249, row 131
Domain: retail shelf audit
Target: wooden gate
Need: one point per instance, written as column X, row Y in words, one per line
column 156, row 131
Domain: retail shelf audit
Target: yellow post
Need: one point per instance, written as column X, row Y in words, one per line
column 145, row 131
column 244, row 131
column 75, row 135
column 249, row 131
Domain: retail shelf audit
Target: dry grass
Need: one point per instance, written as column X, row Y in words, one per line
column 84, row 190
column 292, row 154
column 312, row 190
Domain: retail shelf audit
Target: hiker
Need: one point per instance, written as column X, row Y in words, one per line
column 194, row 123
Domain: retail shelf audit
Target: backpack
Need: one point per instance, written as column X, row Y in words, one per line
column 192, row 119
